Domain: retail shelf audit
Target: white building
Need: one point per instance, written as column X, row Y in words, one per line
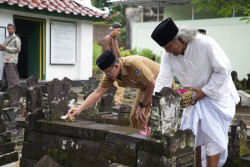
column 231, row 33
column 56, row 35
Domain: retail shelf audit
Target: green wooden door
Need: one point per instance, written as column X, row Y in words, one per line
column 34, row 49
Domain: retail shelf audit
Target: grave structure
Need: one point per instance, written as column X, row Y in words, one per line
column 238, row 149
column 99, row 144
column 8, row 153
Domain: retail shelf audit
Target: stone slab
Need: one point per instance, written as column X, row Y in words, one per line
column 77, row 159
column 146, row 159
column 24, row 162
column 33, row 151
column 8, row 158
column 7, row 148
column 119, row 154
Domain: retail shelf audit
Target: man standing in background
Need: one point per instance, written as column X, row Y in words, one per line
column 110, row 43
column 11, row 48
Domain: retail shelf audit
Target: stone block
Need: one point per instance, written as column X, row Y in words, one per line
column 59, row 155
column 113, row 118
column 5, row 137
column 146, row 159
column 32, row 81
column 119, row 154
column 7, row 148
column 8, row 158
column 45, row 139
column 33, row 99
column 46, row 161
column 165, row 112
column 239, row 139
column 237, row 161
column 80, row 129
column 2, row 125
column 33, row 151
column 88, row 147
column 182, row 142
column 27, row 162
column 125, row 136
column 11, row 113
column 77, row 159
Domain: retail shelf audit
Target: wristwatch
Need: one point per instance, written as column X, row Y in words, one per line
column 142, row 105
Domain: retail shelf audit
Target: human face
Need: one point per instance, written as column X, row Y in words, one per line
column 175, row 47
column 11, row 30
column 113, row 71
column 116, row 32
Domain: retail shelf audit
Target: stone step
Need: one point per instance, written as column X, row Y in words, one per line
column 8, row 158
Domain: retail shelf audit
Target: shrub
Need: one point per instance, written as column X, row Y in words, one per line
column 125, row 53
column 146, row 53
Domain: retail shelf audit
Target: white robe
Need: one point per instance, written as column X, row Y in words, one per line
column 204, row 65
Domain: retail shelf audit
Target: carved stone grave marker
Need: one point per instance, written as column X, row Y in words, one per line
column 165, row 112
column 58, row 98
column 32, row 81
column 239, row 139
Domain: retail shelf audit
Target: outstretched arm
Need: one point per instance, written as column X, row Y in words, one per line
column 91, row 99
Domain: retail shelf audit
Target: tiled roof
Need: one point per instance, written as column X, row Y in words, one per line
column 60, row 6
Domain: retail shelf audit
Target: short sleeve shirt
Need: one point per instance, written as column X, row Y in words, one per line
column 136, row 72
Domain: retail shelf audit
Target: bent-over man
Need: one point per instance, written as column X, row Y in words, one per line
column 200, row 64
column 132, row 71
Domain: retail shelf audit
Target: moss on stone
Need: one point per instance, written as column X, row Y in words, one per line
column 58, row 155
column 244, row 150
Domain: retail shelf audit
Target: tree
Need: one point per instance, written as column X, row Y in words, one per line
column 224, row 7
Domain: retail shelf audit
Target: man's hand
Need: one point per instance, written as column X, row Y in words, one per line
column 140, row 115
column 74, row 111
column 199, row 95
column 1, row 46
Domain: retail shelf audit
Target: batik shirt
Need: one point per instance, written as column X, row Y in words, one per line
column 13, row 47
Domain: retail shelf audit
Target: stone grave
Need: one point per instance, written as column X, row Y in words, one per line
column 32, row 81
column 55, row 98
column 238, row 149
column 12, row 110
column 90, row 143
column 90, row 84
column 8, row 153
column 119, row 116
column 106, row 101
column 165, row 112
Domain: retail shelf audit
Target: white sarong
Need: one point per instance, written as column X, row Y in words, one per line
column 215, row 118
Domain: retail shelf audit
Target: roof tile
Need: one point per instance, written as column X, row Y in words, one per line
column 61, row 6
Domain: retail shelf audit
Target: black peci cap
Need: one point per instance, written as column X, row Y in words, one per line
column 165, row 32
column 116, row 25
column 105, row 60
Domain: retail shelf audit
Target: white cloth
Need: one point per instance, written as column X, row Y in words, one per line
column 204, row 65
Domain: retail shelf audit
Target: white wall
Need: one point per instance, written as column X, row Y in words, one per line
column 231, row 34
column 82, row 70
column 5, row 19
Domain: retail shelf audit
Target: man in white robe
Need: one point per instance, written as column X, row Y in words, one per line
column 200, row 64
